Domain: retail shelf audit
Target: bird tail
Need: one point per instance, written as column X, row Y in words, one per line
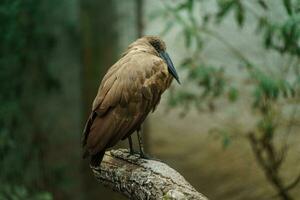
column 87, row 128
column 85, row 134
column 97, row 158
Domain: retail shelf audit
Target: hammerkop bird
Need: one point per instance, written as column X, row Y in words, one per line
column 130, row 89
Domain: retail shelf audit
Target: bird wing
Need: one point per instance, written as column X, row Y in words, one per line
column 128, row 92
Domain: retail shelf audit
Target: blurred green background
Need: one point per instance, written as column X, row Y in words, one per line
column 231, row 129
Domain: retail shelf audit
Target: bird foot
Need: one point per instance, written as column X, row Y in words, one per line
column 143, row 155
column 131, row 152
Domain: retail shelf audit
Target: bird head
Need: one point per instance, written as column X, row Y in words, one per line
column 160, row 46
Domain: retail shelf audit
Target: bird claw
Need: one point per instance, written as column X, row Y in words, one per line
column 131, row 152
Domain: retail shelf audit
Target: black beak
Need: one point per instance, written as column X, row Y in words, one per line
column 171, row 68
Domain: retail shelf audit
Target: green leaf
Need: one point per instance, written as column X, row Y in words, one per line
column 185, row 5
column 188, row 37
column 240, row 13
column 233, row 94
column 263, row 4
column 180, row 7
column 267, row 126
column 288, row 6
column 190, row 4
column 257, row 97
column 181, row 97
column 43, row 196
column 186, row 62
column 206, row 18
column 262, row 23
column 226, row 140
column 224, row 8
column 268, row 37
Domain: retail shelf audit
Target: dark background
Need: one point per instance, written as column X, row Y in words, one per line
column 231, row 128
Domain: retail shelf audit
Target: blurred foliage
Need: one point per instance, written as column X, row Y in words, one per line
column 27, row 36
column 272, row 89
column 17, row 192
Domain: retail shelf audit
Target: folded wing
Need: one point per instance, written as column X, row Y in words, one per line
column 128, row 92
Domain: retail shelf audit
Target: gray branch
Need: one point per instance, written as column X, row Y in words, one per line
column 141, row 179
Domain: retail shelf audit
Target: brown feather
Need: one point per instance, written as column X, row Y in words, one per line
column 128, row 92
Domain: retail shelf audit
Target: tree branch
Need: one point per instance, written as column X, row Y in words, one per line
column 293, row 184
column 141, row 179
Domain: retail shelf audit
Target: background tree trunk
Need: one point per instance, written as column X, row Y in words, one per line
column 99, row 45
column 98, row 22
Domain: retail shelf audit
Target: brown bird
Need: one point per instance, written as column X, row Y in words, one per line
column 130, row 89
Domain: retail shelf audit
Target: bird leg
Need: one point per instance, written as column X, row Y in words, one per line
column 130, row 145
column 142, row 153
column 141, row 145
